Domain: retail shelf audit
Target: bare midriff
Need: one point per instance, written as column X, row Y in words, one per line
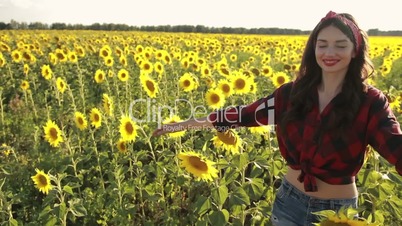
column 325, row 190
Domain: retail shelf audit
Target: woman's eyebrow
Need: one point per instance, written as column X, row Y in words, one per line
column 337, row 41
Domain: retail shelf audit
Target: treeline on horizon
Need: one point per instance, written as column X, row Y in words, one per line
column 14, row 25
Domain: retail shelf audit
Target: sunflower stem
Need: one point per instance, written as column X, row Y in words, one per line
column 2, row 114
column 33, row 105
column 82, row 94
column 98, row 160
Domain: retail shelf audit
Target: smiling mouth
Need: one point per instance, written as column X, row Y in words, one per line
column 330, row 62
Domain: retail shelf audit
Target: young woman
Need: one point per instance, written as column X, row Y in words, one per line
column 325, row 120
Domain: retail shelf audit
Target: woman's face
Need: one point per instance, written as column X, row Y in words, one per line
column 333, row 51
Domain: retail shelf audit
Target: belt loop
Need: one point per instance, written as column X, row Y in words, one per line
column 290, row 188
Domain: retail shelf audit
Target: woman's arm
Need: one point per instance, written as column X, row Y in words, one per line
column 196, row 123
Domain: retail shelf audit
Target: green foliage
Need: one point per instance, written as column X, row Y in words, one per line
column 96, row 184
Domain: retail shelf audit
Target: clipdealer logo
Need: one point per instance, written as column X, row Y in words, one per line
column 148, row 110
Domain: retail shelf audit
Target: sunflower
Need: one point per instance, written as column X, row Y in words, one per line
column 241, row 83
column 47, row 72
column 80, row 120
column 128, row 129
column 26, row 69
column 198, row 165
column 4, row 47
column 215, row 98
column 105, row 51
column 187, row 82
column 80, row 51
column 233, row 57
column 260, row 129
column 253, row 86
column 123, row 60
column 345, row 216
column 122, row 146
column 107, row 104
column 61, row 56
column 226, row 87
column 96, row 118
column 159, row 68
column 25, row 85
column 53, row 58
column 100, row 76
column 174, row 119
column 16, row 55
column 228, row 141
column 166, row 58
column 108, row 61
column 149, row 85
column 53, row 133
column 42, row 181
column 266, row 71
column 146, row 67
column 123, row 75
column 110, row 73
column 2, row 60
column 61, row 85
column 205, row 71
column 72, row 57
column 280, row 78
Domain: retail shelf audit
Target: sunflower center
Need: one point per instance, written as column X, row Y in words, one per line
column 105, row 53
column 225, row 71
column 80, row 121
column 96, row 117
column 42, row 180
column 129, row 128
column 240, row 83
column 122, row 146
column 225, row 88
column 227, row 137
column 280, row 80
column 123, row 75
column 147, row 67
column 215, row 98
column 186, row 83
column 53, row 133
column 150, row 86
column 197, row 163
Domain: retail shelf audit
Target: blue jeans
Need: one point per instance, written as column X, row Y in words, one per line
column 294, row 208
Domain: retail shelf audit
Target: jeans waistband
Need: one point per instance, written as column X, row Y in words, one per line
column 291, row 190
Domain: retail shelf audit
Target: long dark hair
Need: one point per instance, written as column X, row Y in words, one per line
column 349, row 100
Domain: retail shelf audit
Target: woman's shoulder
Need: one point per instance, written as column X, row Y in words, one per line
column 375, row 95
column 374, row 92
column 285, row 88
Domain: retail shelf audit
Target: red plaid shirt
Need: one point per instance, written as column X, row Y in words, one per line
column 335, row 160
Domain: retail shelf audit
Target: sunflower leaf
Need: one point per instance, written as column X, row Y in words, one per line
column 219, row 217
column 254, row 188
column 239, row 197
column 219, row 195
column 202, row 205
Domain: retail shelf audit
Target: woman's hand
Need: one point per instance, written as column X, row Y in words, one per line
column 201, row 123
column 168, row 128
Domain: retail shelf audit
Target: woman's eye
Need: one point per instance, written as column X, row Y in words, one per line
column 341, row 47
column 321, row 47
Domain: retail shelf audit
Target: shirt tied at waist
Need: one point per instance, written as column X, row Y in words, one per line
column 309, row 181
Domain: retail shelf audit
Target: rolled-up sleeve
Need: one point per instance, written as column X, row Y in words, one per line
column 264, row 111
column 259, row 113
column 385, row 134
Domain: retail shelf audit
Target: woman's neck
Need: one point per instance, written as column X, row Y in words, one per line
column 331, row 85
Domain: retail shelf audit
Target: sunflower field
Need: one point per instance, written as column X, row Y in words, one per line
column 78, row 108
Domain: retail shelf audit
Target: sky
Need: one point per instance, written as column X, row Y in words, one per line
column 384, row 15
